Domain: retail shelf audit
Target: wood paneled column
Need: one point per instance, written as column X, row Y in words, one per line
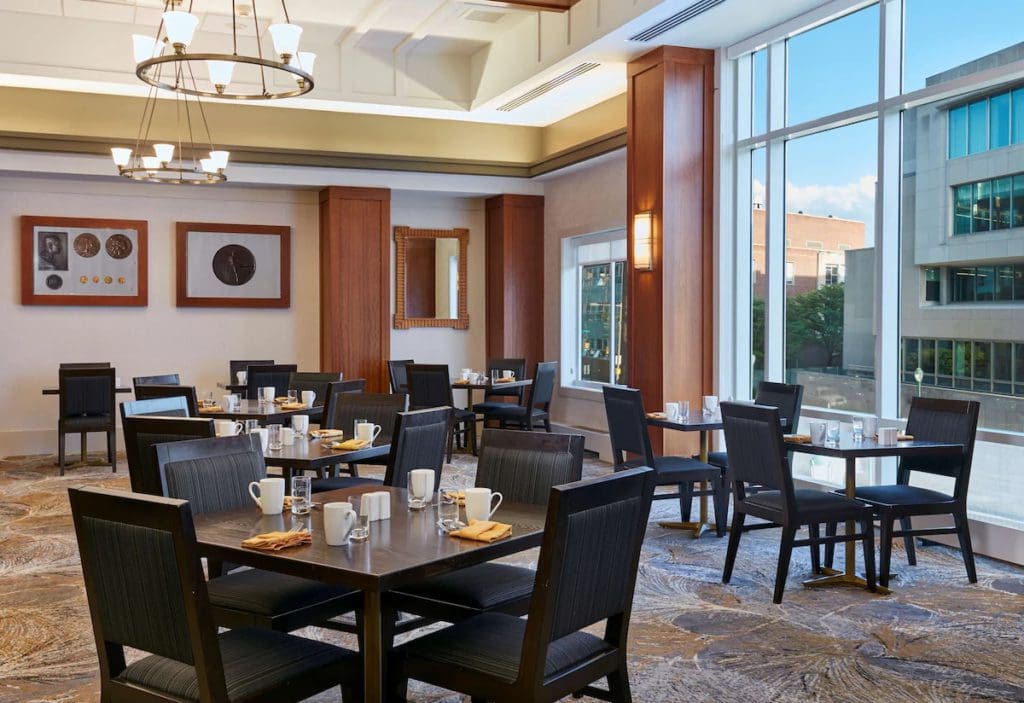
column 355, row 286
column 515, row 278
column 670, row 169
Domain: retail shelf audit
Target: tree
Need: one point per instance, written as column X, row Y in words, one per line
column 814, row 321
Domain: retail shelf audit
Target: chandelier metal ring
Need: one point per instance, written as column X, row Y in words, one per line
column 305, row 83
column 174, row 176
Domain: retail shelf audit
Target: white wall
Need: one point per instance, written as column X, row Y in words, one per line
column 583, row 199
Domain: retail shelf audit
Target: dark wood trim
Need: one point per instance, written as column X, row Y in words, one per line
column 184, row 300
column 29, row 297
column 402, row 235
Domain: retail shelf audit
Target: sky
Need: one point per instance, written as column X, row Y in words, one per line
column 834, row 67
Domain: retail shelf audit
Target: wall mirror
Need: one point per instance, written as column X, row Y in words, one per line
column 430, row 278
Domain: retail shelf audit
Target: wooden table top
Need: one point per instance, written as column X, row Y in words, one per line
column 233, row 387
column 255, row 410
column 869, row 447
column 407, row 548
column 694, row 422
column 56, row 391
column 310, row 454
column 493, row 387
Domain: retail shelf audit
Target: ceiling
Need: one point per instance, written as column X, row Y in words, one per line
column 451, row 59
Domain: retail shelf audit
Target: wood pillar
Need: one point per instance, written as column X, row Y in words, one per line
column 515, row 278
column 355, row 286
column 670, row 173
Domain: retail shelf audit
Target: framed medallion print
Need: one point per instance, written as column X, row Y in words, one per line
column 83, row 261
column 233, row 266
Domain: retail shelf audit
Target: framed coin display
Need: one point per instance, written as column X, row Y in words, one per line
column 83, row 261
column 223, row 265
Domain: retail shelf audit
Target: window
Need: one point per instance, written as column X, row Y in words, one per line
column 931, row 285
column 1017, row 116
column 1002, row 189
column 988, row 123
column 814, row 244
column 988, row 205
column 999, row 121
column 790, row 273
column 986, row 284
column 594, row 289
column 958, row 132
column 832, row 274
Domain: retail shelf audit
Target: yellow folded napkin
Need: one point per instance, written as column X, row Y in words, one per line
column 904, row 438
column 484, row 531
column 276, row 541
column 349, row 445
column 292, row 406
column 462, row 382
column 211, row 409
column 797, row 438
column 504, row 379
column 657, row 416
column 459, row 496
column 281, row 399
column 324, row 433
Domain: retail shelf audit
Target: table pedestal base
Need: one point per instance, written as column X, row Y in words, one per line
column 699, row 528
column 832, row 577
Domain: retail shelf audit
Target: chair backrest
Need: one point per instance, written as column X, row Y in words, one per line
column 154, row 390
column 787, row 397
column 164, row 379
column 397, row 374
column 145, row 585
column 236, row 365
column 588, row 562
column 141, row 433
column 627, row 425
column 941, row 420
column 175, row 406
column 86, row 365
column 87, row 392
column 418, row 442
column 496, row 366
column 524, row 466
column 211, row 474
column 345, row 406
column 430, row 386
column 275, row 375
column 543, row 385
column 312, row 381
column 756, row 450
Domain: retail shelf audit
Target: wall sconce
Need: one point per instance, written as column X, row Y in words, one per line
column 643, row 241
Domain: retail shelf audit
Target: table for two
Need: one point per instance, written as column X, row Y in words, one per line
column 490, row 388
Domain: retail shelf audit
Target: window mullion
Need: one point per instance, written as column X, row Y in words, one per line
column 775, row 206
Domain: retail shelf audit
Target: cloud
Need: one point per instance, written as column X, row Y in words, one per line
column 856, row 197
column 757, row 192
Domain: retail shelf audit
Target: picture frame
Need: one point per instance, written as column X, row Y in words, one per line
column 233, row 265
column 84, row 261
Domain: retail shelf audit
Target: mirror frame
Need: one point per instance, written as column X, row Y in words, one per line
column 402, row 235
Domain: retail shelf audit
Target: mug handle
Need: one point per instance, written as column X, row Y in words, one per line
column 239, row 427
column 376, row 432
column 255, row 484
column 350, row 522
column 495, row 508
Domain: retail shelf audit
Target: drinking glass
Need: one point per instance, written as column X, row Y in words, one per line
column 274, row 442
column 293, row 396
column 832, row 432
column 361, row 530
column 355, row 427
column 710, row 404
column 421, row 489
column 684, row 410
column 858, row 429
column 209, row 401
column 448, row 511
column 301, row 495
column 250, row 425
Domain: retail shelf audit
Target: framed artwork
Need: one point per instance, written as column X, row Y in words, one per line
column 83, row 261
column 430, row 278
column 233, row 266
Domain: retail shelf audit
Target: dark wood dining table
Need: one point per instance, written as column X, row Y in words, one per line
column 233, row 387
column 308, row 454
column 256, row 410
column 850, row 450
column 407, row 548
column 489, row 387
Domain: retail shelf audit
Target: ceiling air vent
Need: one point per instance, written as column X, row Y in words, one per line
column 475, row 15
column 673, row 21
column 548, row 86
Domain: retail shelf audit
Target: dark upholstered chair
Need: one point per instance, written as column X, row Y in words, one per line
column 276, row 375
column 627, row 429
column 330, row 401
column 151, row 391
column 212, row 475
column 142, row 433
column 787, row 397
column 757, row 455
column 430, row 386
column 236, row 365
column 313, row 381
column 145, row 587
column 585, row 574
column 536, row 412
column 935, row 420
column 174, row 406
column 523, row 467
column 507, row 399
column 86, row 405
column 345, row 406
column 398, row 376
column 164, row 379
column 85, row 365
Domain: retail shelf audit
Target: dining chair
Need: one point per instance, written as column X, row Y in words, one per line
column 173, row 406
column 346, row 404
column 145, row 588
column 398, row 376
column 165, row 379
column 586, row 574
column 315, row 381
column 537, row 411
column 523, row 467
column 935, row 420
column 757, row 455
column 142, row 433
column 85, row 365
column 151, row 391
column 276, row 375
column 214, row 475
column 236, row 365
column 86, row 405
column 430, row 386
column 627, row 429
column 502, row 399
column 336, row 390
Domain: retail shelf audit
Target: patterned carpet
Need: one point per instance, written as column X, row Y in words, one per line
column 692, row 639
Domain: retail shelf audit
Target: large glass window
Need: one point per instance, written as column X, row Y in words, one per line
column 1017, row 116
column 962, row 209
column 1002, row 190
column 759, row 123
column 758, row 256
column 977, row 127
column 999, row 121
column 958, row 132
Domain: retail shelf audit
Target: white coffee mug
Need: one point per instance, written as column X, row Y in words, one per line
column 267, row 394
column 226, row 428
column 870, row 427
column 117, row 381
column 339, row 519
column 421, row 488
column 264, row 435
column 508, row 373
column 367, row 431
column 271, row 497
column 672, row 412
column 887, row 435
column 287, row 436
column 241, row 376
column 369, row 506
column 308, row 397
column 225, row 401
column 478, row 503
column 300, row 423
column 474, row 377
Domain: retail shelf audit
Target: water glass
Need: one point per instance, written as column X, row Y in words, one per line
column 361, row 530
column 858, row 429
column 684, row 410
column 274, row 441
column 249, row 425
column 710, row 404
column 448, row 511
column 209, row 401
column 293, row 396
column 355, row 427
column 832, row 432
column 301, row 495
column 421, row 488
column 267, row 394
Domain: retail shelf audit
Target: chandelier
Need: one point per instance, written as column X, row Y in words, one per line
column 177, row 29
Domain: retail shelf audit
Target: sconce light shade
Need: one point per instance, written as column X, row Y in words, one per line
column 643, row 241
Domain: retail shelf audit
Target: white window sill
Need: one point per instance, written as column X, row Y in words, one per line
column 594, row 395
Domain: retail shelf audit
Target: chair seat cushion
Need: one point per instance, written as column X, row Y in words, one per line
column 482, row 587
column 491, row 406
column 680, row 469
column 719, row 459
column 491, row 644
column 901, row 495
column 255, row 660
column 339, row 483
column 79, row 423
column 808, row 500
column 269, row 593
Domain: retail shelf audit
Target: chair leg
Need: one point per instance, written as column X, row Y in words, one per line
column 451, row 444
column 353, row 469
column 685, row 501
column 814, row 529
column 734, row 544
column 830, row 549
column 85, row 445
column 886, row 521
column 908, row 541
column 867, row 527
column 721, row 501
column 785, row 552
column 963, row 531
column 112, row 450
column 61, row 443
column 618, row 685
column 547, row 426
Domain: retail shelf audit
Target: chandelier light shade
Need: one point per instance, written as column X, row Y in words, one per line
column 145, row 47
column 222, row 68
